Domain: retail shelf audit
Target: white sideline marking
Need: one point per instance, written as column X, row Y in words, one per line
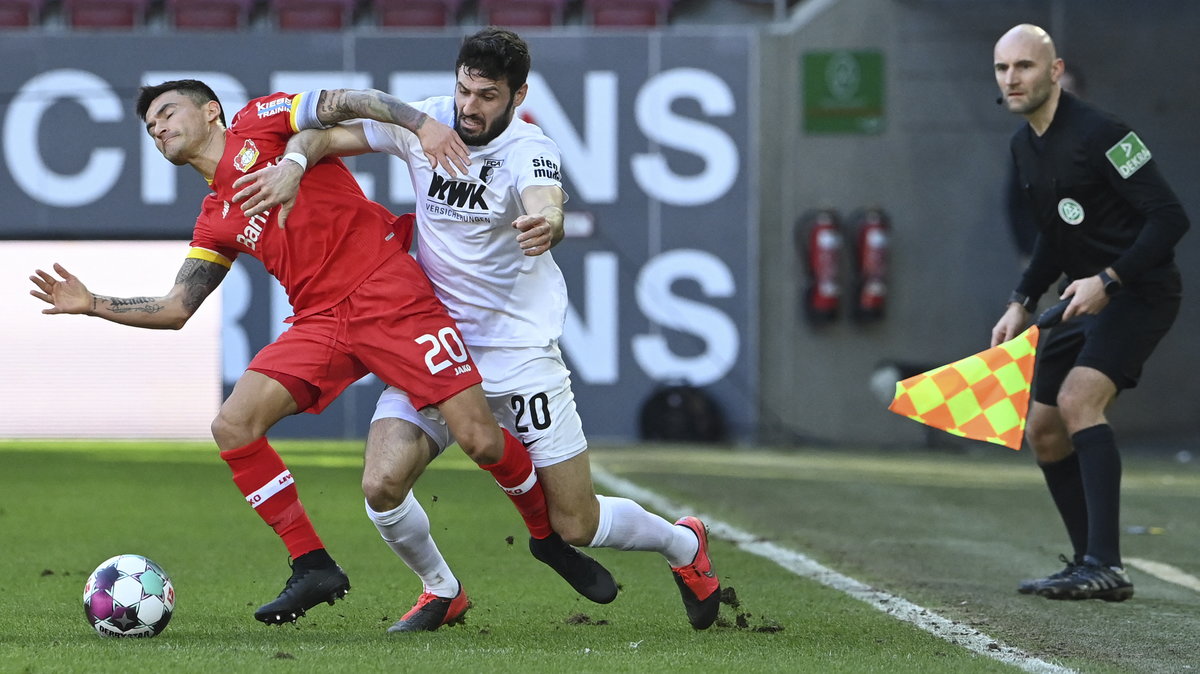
column 1171, row 574
column 802, row 565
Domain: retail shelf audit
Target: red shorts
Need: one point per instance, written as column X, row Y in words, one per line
column 392, row 326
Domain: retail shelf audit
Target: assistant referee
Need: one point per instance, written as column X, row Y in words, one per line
column 1109, row 223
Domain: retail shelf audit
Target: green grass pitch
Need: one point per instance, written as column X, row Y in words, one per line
column 66, row 506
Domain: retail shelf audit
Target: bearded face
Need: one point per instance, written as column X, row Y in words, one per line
column 483, row 108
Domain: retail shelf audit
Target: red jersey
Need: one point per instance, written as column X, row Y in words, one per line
column 335, row 237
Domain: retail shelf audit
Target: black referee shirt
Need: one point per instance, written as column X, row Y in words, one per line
column 1098, row 198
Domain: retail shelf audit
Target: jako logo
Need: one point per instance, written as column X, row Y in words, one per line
column 271, row 488
column 458, row 194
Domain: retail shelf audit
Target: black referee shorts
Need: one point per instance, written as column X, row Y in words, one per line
column 1117, row 342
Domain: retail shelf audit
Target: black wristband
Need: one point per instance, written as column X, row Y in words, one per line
column 1111, row 285
column 1024, row 300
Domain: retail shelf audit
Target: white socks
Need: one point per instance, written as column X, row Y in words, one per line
column 625, row 525
column 406, row 531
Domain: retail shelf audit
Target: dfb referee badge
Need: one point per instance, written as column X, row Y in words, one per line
column 1070, row 211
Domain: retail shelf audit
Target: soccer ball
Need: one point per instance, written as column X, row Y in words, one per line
column 128, row 596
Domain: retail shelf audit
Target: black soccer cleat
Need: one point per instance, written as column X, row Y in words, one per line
column 432, row 611
column 1090, row 580
column 307, row 587
column 587, row 576
column 1031, row 585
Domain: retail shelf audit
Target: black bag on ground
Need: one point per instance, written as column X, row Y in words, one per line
column 682, row 413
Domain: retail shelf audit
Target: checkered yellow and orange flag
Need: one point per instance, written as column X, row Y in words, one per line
column 982, row 397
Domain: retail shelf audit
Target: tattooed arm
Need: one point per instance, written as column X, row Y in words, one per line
column 278, row 185
column 340, row 105
column 441, row 144
column 195, row 281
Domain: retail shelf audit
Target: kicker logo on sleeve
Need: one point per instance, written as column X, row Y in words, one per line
column 1128, row 155
column 268, row 108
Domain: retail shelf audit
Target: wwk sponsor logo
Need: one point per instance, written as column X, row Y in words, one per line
column 458, row 194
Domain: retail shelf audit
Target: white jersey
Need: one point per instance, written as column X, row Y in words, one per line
column 465, row 239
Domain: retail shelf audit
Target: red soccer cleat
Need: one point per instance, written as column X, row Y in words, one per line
column 698, row 583
column 432, row 611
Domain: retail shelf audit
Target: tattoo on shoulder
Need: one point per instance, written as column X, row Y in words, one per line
column 339, row 105
column 199, row 278
column 335, row 105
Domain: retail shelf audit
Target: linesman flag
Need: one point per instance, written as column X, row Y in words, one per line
column 981, row 397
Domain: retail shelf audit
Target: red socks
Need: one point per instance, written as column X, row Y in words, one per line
column 269, row 488
column 516, row 476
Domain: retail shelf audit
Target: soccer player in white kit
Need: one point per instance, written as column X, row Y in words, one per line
column 484, row 238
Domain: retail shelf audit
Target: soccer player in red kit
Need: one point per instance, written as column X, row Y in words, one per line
column 361, row 305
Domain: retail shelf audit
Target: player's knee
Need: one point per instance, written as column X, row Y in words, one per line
column 382, row 495
column 229, row 432
column 483, row 443
column 237, row 425
column 385, row 491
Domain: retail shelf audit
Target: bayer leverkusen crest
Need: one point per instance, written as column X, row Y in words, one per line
column 246, row 157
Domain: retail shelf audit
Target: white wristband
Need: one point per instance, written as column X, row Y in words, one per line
column 299, row 159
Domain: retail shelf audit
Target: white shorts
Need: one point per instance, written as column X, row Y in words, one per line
column 394, row 403
column 529, row 392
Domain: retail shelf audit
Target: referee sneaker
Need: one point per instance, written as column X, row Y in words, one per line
column 1109, row 223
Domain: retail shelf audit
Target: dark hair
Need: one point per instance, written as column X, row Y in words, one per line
column 196, row 90
column 495, row 53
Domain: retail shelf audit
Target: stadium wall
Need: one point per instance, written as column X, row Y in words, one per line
column 688, row 165
column 938, row 169
column 658, row 160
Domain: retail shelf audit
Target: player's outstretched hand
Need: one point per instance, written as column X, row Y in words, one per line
column 66, row 296
column 536, row 235
column 443, row 147
column 275, row 185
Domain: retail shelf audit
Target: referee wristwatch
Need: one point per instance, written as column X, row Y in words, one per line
column 1111, row 285
column 1024, row 300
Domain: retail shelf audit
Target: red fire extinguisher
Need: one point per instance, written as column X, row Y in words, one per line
column 872, row 264
column 819, row 243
